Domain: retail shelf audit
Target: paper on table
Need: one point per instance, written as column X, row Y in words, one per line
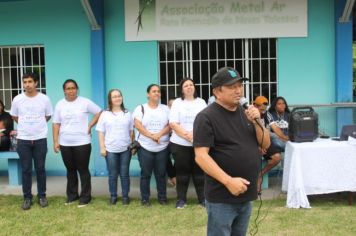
column 351, row 141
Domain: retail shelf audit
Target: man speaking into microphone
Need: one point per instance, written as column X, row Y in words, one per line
column 226, row 141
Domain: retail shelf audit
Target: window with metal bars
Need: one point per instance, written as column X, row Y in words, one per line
column 16, row 61
column 200, row 59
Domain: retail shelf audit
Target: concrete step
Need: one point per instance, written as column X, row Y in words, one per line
column 56, row 186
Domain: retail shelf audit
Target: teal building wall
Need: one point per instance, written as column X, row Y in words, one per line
column 130, row 66
column 63, row 29
column 306, row 66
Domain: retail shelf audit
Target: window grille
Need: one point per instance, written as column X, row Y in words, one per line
column 200, row 59
column 14, row 62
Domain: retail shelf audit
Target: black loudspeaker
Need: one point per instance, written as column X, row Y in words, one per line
column 303, row 125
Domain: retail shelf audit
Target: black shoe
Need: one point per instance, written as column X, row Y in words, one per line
column 82, row 204
column 43, row 202
column 125, row 201
column 26, row 205
column 145, row 203
column 70, row 201
column 113, row 201
column 181, row 204
column 163, row 202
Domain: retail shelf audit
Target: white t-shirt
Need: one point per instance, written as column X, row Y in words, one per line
column 184, row 112
column 73, row 117
column 31, row 113
column 211, row 100
column 154, row 120
column 117, row 128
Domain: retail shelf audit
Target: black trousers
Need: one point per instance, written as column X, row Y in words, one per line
column 4, row 143
column 184, row 159
column 76, row 159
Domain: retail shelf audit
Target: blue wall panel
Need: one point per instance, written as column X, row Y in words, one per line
column 344, row 67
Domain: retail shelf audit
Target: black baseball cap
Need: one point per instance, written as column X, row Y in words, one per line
column 226, row 76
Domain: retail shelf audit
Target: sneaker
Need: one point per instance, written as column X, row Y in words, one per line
column 70, row 201
column 145, row 203
column 26, row 205
column 82, row 204
column 67, row 203
column 181, row 204
column 113, row 201
column 125, row 201
column 43, row 202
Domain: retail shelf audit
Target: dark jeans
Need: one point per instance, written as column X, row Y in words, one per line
column 35, row 150
column 76, row 159
column 228, row 219
column 156, row 162
column 184, row 159
column 4, row 143
column 278, row 142
column 119, row 163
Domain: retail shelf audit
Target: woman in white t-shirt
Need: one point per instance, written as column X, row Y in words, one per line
column 115, row 131
column 71, row 136
column 181, row 119
column 151, row 121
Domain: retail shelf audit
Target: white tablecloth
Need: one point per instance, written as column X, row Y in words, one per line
column 322, row 166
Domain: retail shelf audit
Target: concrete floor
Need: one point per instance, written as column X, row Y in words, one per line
column 56, row 186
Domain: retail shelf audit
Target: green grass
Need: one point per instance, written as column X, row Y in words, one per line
column 327, row 217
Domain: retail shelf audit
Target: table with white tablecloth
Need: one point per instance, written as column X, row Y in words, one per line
column 319, row 167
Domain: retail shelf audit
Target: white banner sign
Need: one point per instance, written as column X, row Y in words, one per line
column 213, row 19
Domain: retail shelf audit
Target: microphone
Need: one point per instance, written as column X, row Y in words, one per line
column 244, row 103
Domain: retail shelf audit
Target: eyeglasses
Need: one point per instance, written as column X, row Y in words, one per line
column 265, row 104
column 70, row 88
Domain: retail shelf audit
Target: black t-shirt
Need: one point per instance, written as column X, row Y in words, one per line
column 233, row 145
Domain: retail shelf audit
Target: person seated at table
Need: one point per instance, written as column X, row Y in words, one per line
column 278, row 118
column 273, row 154
column 6, row 126
column 211, row 99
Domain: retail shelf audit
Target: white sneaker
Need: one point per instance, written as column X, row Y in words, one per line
column 181, row 204
column 82, row 204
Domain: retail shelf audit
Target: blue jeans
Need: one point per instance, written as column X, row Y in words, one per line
column 156, row 162
column 119, row 163
column 228, row 219
column 35, row 150
column 278, row 142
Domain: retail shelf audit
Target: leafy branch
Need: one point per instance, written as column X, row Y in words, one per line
column 143, row 6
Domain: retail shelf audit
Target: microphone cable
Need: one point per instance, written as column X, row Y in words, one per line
column 254, row 230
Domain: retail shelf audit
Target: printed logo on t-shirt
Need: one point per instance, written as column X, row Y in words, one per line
column 33, row 115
